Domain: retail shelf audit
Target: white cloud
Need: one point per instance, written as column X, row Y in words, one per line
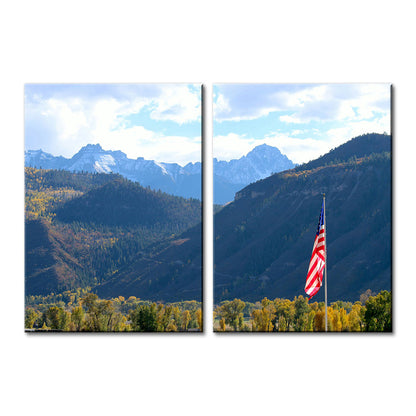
column 140, row 142
column 232, row 146
column 326, row 102
column 337, row 135
column 68, row 117
column 221, row 105
column 64, row 119
column 177, row 103
column 290, row 119
column 299, row 150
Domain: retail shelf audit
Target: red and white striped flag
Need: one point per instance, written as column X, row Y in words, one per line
column 317, row 263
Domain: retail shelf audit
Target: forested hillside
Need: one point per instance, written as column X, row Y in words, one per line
column 263, row 240
column 82, row 228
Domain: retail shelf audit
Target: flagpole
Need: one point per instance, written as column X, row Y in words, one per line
column 326, row 246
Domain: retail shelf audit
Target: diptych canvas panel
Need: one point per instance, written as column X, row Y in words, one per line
column 302, row 207
column 113, row 207
column 302, row 230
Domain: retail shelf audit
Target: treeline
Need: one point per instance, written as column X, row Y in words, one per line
column 373, row 313
column 46, row 179
column 124, row 203
column 83, row 311
column 361, row 146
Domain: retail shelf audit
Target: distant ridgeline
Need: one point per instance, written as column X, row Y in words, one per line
column 261, row 162
column 83, row 229
column 229, row 177
column 168, row 177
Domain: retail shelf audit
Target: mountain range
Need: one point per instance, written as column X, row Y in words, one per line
column 168, row 177
column 229, row 177
column 106, row 232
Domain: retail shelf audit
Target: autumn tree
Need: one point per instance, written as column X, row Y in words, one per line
column 319, row 320
column 163, row 316
column 263, row 318
column 199, row 319
column 334, row 320
column 366, row 295
column 186, row 318
column 355, row 318
column 344, row 319
column 30, row 317
column 77, row 317
column 222, row 325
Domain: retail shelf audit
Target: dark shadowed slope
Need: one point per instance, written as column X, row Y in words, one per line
column 83, row 228
column 263, row 240
column 48, row 265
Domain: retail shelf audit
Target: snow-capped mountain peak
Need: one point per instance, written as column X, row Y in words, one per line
column 172, row 178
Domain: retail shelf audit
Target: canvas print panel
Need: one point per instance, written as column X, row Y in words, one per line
column 302, row 225
column 113, row 207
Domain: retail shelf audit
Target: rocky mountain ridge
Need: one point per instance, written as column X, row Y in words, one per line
column 229, row 176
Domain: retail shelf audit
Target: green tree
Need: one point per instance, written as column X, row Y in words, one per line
column 57, row 318
column 311, row 321
column 230, row 311
column 378, row 312
column 285, row 314
column 301, row 313
column 144, row 318
column 282, row 325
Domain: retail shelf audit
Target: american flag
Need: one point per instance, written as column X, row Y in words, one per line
column 317, row 263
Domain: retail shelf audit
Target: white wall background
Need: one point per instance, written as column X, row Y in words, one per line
column 207, row 42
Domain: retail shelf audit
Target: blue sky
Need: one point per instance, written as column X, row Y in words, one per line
column 303, row 120
column 160, row 122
